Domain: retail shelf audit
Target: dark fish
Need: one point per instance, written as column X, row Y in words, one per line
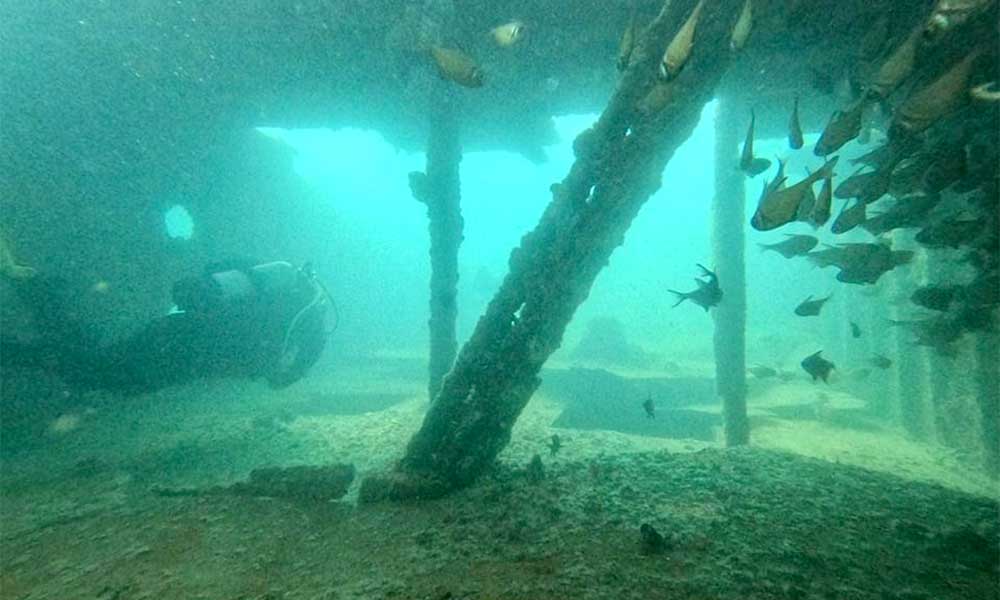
column 810, row 307
column 907, row 212
column 935, row 297
column 860, row 262
column 855, row 330
column 627, row 43
column 936, row 332
column 897, row 67
column 748, row 164
column 804, row 214
column 781, row 205
column 649, row 407
column 706, row 295
column 860, row 374
column 795, row 245
column 762, row 372
column 950, row 233
column 869, row 187
column 457, row 66
column 871, row 271
column 821, row 208
column 842, row 127
column 849, row 218
column 554, row 444
column 817, row 366
column 794, row 128
column 942, row 96
column 880, row 361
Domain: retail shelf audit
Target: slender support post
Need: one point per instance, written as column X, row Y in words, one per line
column 442, row 195
column 728, row 245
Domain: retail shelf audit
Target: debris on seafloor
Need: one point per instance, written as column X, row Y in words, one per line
column 535, row 470
column 651, row 541
column 312, row 482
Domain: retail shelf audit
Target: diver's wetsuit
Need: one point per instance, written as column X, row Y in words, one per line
column 235, row 320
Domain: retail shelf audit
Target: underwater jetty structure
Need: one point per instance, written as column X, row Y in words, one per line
column 109, row 117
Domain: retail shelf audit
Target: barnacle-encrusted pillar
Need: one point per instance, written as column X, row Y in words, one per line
column 728, row 245
column 439, row 189
column 619, row 163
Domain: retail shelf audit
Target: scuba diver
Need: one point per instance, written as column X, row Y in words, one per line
column 236, row 319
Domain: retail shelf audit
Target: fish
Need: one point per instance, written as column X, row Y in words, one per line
column 821, row 209
column 9, row 265
column 935, row 297
column 762, row 372
column 508, row 34
column 985, row 92
column 804, row 213
column 795, row 245
column 679, row 49
column 810, row 307
column 817, row 366
column 554, row 444
column 657, row 99
column 949, row 233
column 627, row 43
column 860, row 374
column 855, row 330
column 780, row 206
column 842, row 127
column 794, row 128
column 860, row 262
column 741, row 31
column 871, row 270
column 748, row 164
column 907, row 212
column 879, row 361
column 457, row 66
column 649, row 406
column 849, row 218
column 706, row 295
column 896, row 68
column 939, row 98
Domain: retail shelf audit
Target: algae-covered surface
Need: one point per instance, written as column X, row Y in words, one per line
column 823, row 506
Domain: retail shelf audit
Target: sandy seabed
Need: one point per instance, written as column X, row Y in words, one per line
column 813, row 510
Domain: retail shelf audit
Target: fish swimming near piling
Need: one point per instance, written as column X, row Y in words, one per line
column 942, row 96
column 794, row 245
column 897, row 67
column 849, row 218
column 508, row 34
column 457, row 66
column 877, row 360
column 855, row 330
column 935, row 297
column 817, row 366
column 821, row 209
column 741, row 31
column 748, row 163
column 679, row 49
column 810, row 307
column 842, row 127
column 794, row 128
column 780, row 206
column 762, row 372
column 706, row 295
